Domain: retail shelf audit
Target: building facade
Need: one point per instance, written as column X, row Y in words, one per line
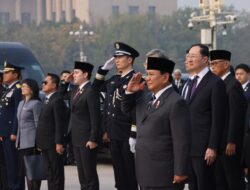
column 90, row 11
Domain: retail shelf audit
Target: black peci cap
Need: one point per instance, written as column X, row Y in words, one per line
column 124, row 49
column 84, row 66
column 220, row 54
column 161, row 64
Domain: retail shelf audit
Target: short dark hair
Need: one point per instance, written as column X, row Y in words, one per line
column 243, row 66
column 55, row 78
column 204, row 49
column 65, row 71
column 33, row 86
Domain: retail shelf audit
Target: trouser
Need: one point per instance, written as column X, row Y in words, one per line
column 3, row 171
column 11, row 160
column 229, row 173
column 86, row 167
column 202, row 175
column 177, row 187
column 54, row 169
column 123, row 165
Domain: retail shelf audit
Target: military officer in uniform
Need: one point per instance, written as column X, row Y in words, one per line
column 229, row 175
column 118, row 124
column 8, row 123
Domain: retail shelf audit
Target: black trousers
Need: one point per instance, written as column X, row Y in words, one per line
column 86, row 167
column 54, row 168
column 229, row 173
column 3, row 171
column 11, row 160
column 177, row 187
column 202, row 175
column 123, row 165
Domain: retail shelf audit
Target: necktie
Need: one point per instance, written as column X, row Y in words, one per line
column 192, row 87
column 76, row 94
column 151, row 102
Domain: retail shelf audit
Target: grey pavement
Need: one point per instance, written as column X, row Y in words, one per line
column 105, row 172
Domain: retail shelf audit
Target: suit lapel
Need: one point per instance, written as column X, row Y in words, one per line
column 158, row 103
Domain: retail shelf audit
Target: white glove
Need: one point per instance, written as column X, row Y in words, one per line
column 109, row 64
column 132, row 143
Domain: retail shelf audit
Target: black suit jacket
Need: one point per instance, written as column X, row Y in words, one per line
column 207, row 114
column 84, row 123
column 235, row 114
column 51, row 123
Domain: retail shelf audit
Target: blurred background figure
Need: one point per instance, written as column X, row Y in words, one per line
column 27, row 114
column 178, row 81
column 68, row 155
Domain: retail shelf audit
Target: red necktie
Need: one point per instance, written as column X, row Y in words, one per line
column 76, row 94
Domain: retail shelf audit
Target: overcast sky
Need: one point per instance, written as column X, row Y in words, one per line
column 239, row 4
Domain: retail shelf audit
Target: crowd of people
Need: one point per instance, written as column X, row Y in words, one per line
column 163, row 131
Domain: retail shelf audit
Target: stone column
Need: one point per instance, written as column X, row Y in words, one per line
column 68, row 10
column 49, row 10
column 18, row 11
column 39, row 12
column 58, row 10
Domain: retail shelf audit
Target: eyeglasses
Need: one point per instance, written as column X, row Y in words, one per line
column 192, row 56
column 24, row 86
column 45, row 82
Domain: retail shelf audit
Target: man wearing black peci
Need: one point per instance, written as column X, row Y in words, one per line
column 84, row 124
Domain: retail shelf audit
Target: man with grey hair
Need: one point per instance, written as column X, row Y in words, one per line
column 178, row 81
column 159, row 53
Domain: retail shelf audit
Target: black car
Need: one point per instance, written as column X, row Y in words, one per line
column 17, row 54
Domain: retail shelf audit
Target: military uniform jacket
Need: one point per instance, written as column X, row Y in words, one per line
column 118, row 124
column 84, row 123
column 163, row 138
column 207, row 110
column 235, row 114
column 51, row 123
column 8, row 110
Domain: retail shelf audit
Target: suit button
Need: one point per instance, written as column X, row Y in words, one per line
column 113, row 115
column 10, row 122
column 108, row 113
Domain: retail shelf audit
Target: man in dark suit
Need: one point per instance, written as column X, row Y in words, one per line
column 164, row 133
column 50, row 132
column 118, row 124
column 206, row 98
column 8, row 123
column 84, row 124
column 242, row 74
column 229, row 174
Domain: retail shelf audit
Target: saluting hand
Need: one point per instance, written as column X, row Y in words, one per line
column 179, row 178
column 135, row 83
column 1, row 138
column 230, row 149
column 210, row 156
column 91, row 145
column 69, row 78
column 59, row 149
